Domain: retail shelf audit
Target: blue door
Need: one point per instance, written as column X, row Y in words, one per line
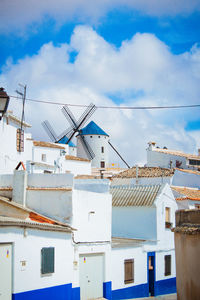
column 151, row 272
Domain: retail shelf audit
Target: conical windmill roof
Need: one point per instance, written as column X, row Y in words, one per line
column 92, row 128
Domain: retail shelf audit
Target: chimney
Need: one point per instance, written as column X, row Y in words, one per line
column 19, row 187
column 151, row 145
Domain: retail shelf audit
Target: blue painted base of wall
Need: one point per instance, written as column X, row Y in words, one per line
column 107, row 290
column 167, row 286
column 60, row 292
column 76, row 293
column 137, row 291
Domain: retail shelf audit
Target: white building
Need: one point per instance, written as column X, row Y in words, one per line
column 37, row 156
column 186, row 197
column 144, row 215
column 187, row 178
column 165, row 158
column 97, row 139
column 58, row 197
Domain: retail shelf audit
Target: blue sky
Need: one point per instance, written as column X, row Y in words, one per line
column 158, row 45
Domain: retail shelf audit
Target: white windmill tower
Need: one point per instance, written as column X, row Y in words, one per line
column 97, row 139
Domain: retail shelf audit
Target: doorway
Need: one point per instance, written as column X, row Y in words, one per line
column 91, row 274
column 5, row 271
column 151, row 272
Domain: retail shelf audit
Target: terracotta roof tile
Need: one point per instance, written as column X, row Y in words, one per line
column 187, row 193
column 177, row 153
column 47, row 145
column 71, row 157
column 145, row 172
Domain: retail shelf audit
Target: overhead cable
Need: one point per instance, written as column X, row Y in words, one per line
column 112, row 107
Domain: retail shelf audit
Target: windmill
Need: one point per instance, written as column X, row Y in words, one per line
column 76, row 126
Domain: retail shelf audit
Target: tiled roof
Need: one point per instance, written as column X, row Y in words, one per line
column 137, row 195
column 9, row 221
column 71, row 157
column 47, row 145
column 145, row 172
column 119, row 242
column 187, row 193
column 40, row 164
column 87, row 177
column 177, row 153
column 10, row 115
column 92, row 128
column 34, row 219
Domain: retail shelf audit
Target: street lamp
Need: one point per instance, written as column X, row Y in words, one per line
column 4, row 101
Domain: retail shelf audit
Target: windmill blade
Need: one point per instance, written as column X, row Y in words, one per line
column 67, row 132
column 69, row 116
column 49, row 130
column 118, row 154
column 86, row 115
column 90, row 154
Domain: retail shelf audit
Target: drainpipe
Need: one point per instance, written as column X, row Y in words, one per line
column 19, row 187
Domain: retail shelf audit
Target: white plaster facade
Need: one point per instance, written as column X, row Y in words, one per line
column 165, row 158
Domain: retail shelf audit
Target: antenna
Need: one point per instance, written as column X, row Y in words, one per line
column 21, row 132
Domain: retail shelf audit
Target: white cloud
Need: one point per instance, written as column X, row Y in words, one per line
column 142, row 64
column 16, row 15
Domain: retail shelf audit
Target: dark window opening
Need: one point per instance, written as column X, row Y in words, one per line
column 47, row 260
column 128, row 271
column 102, row 149
column 102, row 164
column 167, row 265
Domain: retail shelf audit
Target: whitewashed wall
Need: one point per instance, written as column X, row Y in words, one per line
column 134, row 222
column 29, row 249
column 9, row 156
column 159, row 159
column 160, row 264
column 77, row 167
column 164, row 235
column 91, row 216
column 186, row 179
column 117, row 266
column 95, row 142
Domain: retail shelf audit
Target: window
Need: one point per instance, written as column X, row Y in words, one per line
column 47, row 260
column 44, row 157
column 20, row 140
column 91, row 136
column 102, row 164
column 168, row 224
column 128, row 271
column 194, row 162
column 102, row 149
column 167, row 265
column 197, row 206
column 99, row 136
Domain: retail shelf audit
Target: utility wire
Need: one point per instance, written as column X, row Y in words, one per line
column 112, row 107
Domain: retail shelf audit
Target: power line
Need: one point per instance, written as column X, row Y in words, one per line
column 112, row 107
